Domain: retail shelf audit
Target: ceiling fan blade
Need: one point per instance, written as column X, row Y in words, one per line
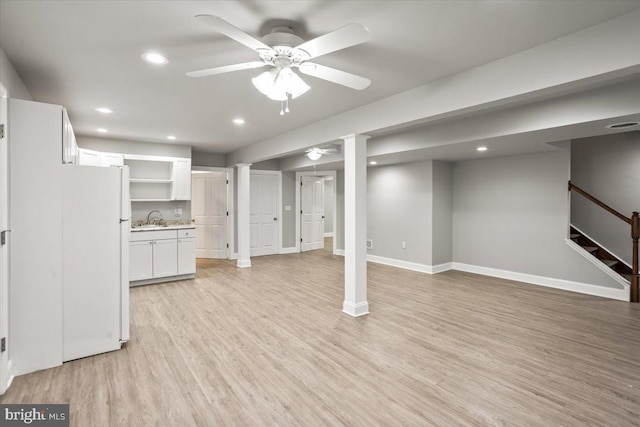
column 335, row 76
column 223, row 27
column 349, row 35
column 226, row 69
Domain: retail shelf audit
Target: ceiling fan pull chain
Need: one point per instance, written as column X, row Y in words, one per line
column 286, row 105
column 281, row 108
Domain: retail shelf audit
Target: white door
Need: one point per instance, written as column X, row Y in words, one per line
column 165, row 258
column 182, row 179
column 89, row 158
column 209, row 212
column 312, row 215
column 140, row 260
column 186, row 255
column 263, row 231
column 4, row 276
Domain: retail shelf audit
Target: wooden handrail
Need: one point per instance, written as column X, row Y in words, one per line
column 604, row 206
column 634, row 221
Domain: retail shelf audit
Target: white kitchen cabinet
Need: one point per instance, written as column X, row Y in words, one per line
column 165, row 255
column 187, row 255
column 112, row 159
column 141, row 260
column 182, row 179
column 69, row 144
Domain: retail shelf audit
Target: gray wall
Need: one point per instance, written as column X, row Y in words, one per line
column 511, row 213
column 289, row 217
column 608, row 167
column 200, row 158
column 442, row 214
column 328, row 205
column 140, row 210
column 399, row 208
column 111, row 145
column 267, row 165
column 11, row 80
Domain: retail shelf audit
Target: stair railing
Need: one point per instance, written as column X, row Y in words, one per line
column 634, row 221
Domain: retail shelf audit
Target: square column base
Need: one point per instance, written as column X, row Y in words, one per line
column 244, row 263
column 355, row 310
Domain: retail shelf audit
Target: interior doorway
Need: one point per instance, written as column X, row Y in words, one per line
column 264, row 212
column 312, row 221
column 210, row 213
column 4, row 225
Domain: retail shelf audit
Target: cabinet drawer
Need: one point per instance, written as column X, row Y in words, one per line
column 188, row 232
column 153, row 235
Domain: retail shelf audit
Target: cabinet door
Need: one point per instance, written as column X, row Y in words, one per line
column 88, row 157
column 182, row 179
column 187, row 256
column 111, row 159
column 165, row 258
column 140, row 260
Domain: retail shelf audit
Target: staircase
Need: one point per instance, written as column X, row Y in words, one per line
column 599, row 253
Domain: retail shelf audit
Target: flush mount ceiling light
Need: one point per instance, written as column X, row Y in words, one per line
column 373, row 163
column 239, row 121
column 283, row 50
column 622, row 125
column 155, row 58
column 104, row 110
column 102, row 130
column 171, row 137
column 482, row 148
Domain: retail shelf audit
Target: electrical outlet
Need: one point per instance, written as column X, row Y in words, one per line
column 178, row 211
column 404, row 245
column 369, row 244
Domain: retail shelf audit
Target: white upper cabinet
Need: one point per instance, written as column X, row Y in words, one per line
column 98, row 158
column 182, row 179
column 69, row 145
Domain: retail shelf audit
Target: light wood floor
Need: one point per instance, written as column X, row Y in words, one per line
column 268, row 345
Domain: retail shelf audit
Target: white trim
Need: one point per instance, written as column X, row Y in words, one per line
column 550, row 282
column 594, row 240
column 406, row 265
column 5, row 364
column 328, row 234
column 339, row 252
column 153, row 158
column 299, row 175
column 355, row 310
column 153, row 281
column 244, row 264
column 233, row 255
column 291, row 250
column 595, row 261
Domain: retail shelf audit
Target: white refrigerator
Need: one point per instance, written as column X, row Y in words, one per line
column 96, row 213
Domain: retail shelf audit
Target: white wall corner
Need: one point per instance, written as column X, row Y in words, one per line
column 355, row 310
column 549, row 282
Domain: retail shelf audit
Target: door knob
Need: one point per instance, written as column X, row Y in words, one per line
column 275, row 219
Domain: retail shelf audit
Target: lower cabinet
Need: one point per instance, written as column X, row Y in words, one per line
column 158, row 254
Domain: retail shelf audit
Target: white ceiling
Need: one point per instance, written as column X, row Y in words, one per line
column 87, row 54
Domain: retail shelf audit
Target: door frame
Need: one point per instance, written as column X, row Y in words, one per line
column 322, row 174
column 5, row 376
column 231, row 221
column 278, row 175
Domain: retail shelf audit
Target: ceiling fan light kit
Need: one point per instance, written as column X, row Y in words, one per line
column 283, row 50
column 314, row 154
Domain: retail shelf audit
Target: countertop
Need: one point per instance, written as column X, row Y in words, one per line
column 163, row 227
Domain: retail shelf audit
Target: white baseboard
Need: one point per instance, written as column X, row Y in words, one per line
column 423, row 268
column 355, row 310
column 233, row 256
column 549, row 282
column 603, row 247
column 328, row 234
column 292, row 250
column 339, row 252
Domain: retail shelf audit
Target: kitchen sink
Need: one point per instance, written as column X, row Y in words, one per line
column 149, row 226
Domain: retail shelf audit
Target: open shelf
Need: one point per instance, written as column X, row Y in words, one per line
column 151, row 181
column 151, row 200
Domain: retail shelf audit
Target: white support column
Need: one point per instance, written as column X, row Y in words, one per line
column 244, row 244
column 355, row 225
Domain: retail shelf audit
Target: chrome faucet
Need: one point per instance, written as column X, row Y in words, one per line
column 150, row 213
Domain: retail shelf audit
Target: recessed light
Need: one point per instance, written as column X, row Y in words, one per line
column 154, row 58
column 104, row 110
column 171, row 137
column 239, row 121
column 102, row 130
column 482, row 148
column 373, row 163
column 623, row 125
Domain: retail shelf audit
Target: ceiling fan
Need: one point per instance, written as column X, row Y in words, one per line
column 315, row 153
column 282, row 50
